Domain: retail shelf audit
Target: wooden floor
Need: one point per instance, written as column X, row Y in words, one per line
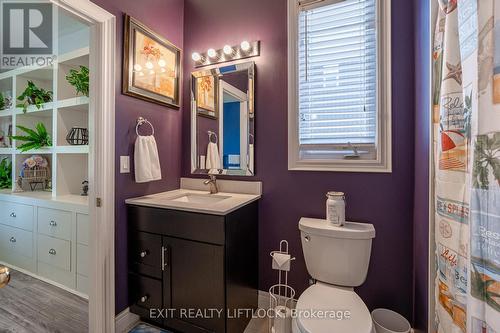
column 30, row 305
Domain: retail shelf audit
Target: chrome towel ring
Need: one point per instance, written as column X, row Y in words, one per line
column 212, row 135
column 142, row 121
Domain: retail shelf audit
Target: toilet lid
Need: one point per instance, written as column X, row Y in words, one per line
column 336, row 303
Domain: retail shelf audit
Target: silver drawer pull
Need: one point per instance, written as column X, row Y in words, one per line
column 53, row 223
column 12, row 240
column 52, row 251
column 13, row 214
column 144, row 298
column 164, row 259
column 143, row 254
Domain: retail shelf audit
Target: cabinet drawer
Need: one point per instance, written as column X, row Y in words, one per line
column 16, row 215
column 54, row 222
column 82, row 259
column 145, row 253
column 55, row 252
column 193, row 226
column 16, row 240
column 82, row 228
column 146, row 292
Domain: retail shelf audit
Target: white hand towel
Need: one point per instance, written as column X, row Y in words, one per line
column 146, row 160
column 213, row 158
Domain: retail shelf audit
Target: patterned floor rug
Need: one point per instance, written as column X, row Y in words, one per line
column 146, row 328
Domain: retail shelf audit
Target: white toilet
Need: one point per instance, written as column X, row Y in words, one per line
column 337, row 258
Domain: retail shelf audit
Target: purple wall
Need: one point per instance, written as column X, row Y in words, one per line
column 165, row 17
column 386, row 200
column 422, row 140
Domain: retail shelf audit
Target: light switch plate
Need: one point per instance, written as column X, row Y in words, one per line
column 124, row 164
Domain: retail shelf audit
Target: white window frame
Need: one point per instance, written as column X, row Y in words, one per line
column 383, row 160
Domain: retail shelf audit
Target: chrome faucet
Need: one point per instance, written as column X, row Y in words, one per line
column 213, row 184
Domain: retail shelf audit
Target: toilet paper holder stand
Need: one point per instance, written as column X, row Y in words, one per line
column 281, row 295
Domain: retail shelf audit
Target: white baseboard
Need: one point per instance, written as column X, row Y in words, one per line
column 49, row 281
column 125, row 320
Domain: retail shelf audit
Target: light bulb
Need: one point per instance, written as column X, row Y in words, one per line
column 141, row 74
column 196, row 56
column 161, row 63
column 137, row 67
column 228, row 49
column 151, row 72
column 211, row 53
column 162, row 70
column 245, row 46
column 149, row 65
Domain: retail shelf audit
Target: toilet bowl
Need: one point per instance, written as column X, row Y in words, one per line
column 338, row 259
column 342, row 311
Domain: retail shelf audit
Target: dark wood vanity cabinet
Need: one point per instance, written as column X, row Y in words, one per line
column 184, row 261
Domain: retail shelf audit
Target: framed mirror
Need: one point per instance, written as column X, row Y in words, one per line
column 223, row 120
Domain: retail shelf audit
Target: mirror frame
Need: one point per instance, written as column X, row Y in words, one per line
column 218, row 71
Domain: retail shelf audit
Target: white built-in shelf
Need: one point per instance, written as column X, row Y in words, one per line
column 28, row 197
column 72, row 149
column 68, row 164
column 74, row 102
column 6, row 151
column 33, row 109
column 41, row 151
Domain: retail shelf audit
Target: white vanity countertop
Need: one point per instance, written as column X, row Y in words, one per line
column 229, row 201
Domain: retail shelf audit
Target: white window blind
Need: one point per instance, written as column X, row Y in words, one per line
column 337, row 73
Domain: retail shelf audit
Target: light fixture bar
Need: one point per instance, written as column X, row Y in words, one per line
column 241, row 51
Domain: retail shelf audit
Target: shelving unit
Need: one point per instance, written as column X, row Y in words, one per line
column 44, row 233
column 68, row 164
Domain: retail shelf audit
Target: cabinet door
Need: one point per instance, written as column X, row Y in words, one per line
column 194, row 274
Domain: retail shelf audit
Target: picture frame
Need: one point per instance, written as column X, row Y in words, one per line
column 151, row 65
column 207, row 95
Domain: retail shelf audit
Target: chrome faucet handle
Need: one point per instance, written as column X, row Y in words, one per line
column 212, row 179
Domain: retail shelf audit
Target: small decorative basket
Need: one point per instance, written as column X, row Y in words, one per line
column 78, row 136
column 35, row 171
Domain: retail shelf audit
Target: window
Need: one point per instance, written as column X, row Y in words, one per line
column 339, row 90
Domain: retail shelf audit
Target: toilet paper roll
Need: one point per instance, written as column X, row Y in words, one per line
column 282, row 319
column 281, row 261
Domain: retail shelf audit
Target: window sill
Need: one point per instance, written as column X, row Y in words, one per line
column 347, row 166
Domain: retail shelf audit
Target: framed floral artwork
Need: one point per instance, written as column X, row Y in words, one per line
column 151, row 65
column 206, row 96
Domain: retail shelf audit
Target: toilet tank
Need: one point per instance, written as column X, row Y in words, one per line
column 337, row 255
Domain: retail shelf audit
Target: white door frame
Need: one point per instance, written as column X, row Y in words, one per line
column 102, row 157
column 225, row 87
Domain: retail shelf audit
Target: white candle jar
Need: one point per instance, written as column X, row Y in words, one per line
column 335, row 208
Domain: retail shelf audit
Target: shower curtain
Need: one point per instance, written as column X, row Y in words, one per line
column 466, row 117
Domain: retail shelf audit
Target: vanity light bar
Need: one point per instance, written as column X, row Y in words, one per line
column 227, row 53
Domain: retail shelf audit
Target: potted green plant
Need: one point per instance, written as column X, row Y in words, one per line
column 33, row 95
column 5, row 173
column 34, row 139
column 80, row 80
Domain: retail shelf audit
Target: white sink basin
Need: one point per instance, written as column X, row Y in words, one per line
column 201, row 198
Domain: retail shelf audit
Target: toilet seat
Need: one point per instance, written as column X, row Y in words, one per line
column 331, row 298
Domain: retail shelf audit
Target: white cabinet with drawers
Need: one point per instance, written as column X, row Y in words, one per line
column 46, row 238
